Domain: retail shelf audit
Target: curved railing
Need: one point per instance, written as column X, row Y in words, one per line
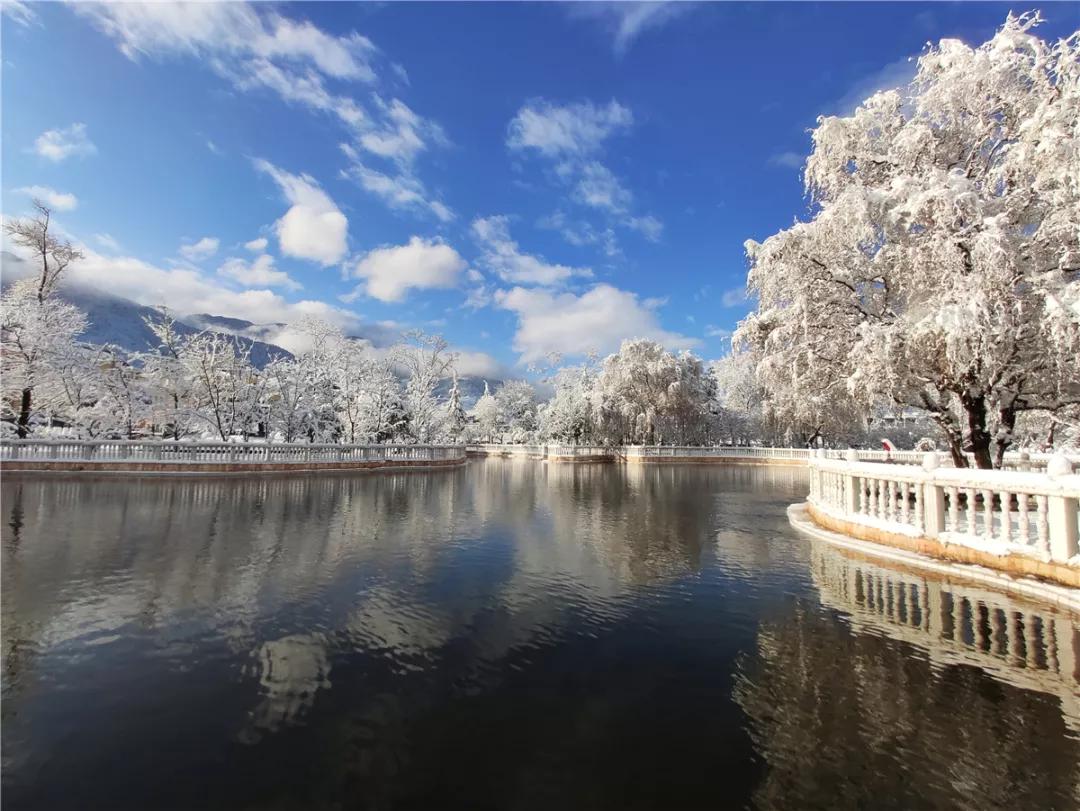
column 240, row 453
column 698, row 452
column 996, row 511
column 636, row 451
column 1021, row 461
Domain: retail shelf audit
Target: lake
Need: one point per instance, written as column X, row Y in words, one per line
column 508, row 635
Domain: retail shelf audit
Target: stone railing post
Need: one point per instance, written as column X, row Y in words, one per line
column 1061, row 513
column 815, row 477
column 933, row 499
column 851, row 485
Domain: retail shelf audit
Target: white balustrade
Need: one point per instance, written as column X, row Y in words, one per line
column 997, row 511
column 181, row 453
column 1019, row 461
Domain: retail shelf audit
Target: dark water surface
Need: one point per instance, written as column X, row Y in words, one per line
column 511, row 635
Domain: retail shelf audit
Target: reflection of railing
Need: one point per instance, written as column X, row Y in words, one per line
column 229, row 453
column 1015, row 641
column 994, row 511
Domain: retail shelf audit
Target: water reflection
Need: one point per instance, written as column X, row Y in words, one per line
column 914, row 699
column 1019, row 642
column 512, row 634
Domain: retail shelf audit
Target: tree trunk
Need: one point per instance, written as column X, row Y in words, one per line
column 975, row 408
column 24, row 413
column 1007, row 418
column 953, row 437
column 1049, row 445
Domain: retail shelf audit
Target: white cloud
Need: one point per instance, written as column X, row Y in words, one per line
column 203, row 249
column 479, row 297
column 571, row 130
column 18, row 11
column 260, row 272
column 733, row 297
column 60, row 144
column 108, row 242
column 648, row 226
column 788, row 160
column 254, row 47
column 257, row 245
column 230, row 30
column 402, row 134
column 188, row 290
column 401, row 191
column 570, row 136
column 390, row 272
column 479, row 364
column 314, row 227
column 712, row 331
column 60, row 201
column 572, row 325
column 597, row 187
column 626, row 21
column 581, row 233
column 502, row 256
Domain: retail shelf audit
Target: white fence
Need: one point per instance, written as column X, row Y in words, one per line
column 698, row 452
column 164, row 452
column 638, row 451
column 1021, row 461
column 996, row 511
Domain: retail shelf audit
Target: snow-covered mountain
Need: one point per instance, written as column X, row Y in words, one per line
column 117, row 320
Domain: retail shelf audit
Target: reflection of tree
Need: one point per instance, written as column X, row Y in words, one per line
column 847, row 720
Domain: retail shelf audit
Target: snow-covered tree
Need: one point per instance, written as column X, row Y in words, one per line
column 381, row 415
column 351, row 376
column 645, row 394
column 485, row 413
column 426, row 361
column 73, row 389
column 229, row 390
column 741, row 397
column 940, row 269
column 516, row 402
column 49, row 253
column 569, row 415
column 36, row 328
column 171, row 386
column 123, row 403
column 301, row 390
column 456, row 419
column 35, row 333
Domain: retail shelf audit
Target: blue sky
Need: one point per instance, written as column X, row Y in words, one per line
column 523, row 178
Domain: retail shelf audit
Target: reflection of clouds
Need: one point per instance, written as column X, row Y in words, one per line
column 291, row 671
column 396, row 623
column 542, row 543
